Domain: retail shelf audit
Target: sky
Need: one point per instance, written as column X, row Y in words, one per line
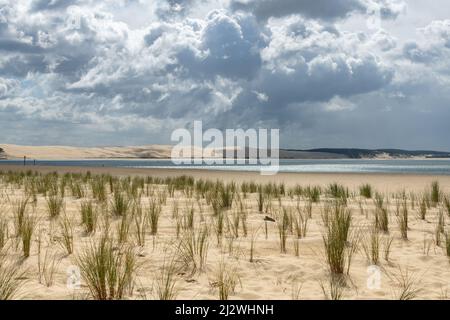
column 327, row 73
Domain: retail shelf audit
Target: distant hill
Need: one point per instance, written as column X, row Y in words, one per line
column 164, row 152
column 381, row 153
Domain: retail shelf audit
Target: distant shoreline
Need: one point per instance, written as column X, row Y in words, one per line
column 164, row 152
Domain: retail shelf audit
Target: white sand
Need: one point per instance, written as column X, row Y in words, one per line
column 273, row 275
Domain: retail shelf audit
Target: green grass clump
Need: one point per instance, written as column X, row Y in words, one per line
column 337, row 221
column 446, row 201
column 89, row 216
column 66, row 237
column 19, row 211
column 193, row 249
column 154, row 213
column 366, row 191
column 435, row 193
column 402, row 218
column 338, row 192
column 381, row 214
column 10, row 275
column 108, row 272
column 371, row 246
column 283, row 223
column 55, row 205
column 226, row 280
column 166, row 281
column 4, row 232
column 312, row 193
column 120, row 204
column 26, row 234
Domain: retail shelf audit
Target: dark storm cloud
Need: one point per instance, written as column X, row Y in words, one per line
column 323, row 9
column 38, row 5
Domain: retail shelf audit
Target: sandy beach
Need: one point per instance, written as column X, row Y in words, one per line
column 381, row 182
column 257, row 268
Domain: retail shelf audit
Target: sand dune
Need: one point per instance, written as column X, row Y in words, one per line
column 131, row 152
column 68, row 153
column 271, row 274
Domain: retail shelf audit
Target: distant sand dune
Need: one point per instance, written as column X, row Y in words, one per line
column 68, row 153
column 130, row 152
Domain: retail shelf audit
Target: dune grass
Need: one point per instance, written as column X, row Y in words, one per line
column 225, row 280
column 154, row 213
column 334, row 288
column 381, row 214
column 371, row 246
column 48, row 263
column 120, row 204
column 10, row 277
column 166, row 281
column 66, row 240
column 89, row 216
column 108, row 273
column 115, row 218
column 4, row 231
column 402, row 218
column 55, row 205
column 28, row 226
column 193, row 249
column 366, row 191
column 435, row 195
column 337, row 222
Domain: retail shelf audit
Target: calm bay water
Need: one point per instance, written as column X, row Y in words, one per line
column 433, row 167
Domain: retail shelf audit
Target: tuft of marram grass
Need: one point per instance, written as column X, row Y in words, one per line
column 446, row 201
column 381, row 214
column 55, row 205
column 334, row 288
column 301, row 222
column 47, row 264
column 283, row 223
column 365, row 191
column 423, row 208
column 89, row 216
column 387, row 245
column 19, row 211
column 435, row 195
column 371, row 246
column 337, row 221
column 402, row 218
column 108, row 272
column 447, row 243
column 140, row 223
column 407, row 284
column 26, row 233
column 120, row 204
column 193, row 249
column 4, row 231
column 66, row 240
column 10, row 275
column 123, row 229
column 166, row 281
column 225, row 280
column 154, row 213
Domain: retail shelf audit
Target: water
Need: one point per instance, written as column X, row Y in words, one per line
column 432, row 167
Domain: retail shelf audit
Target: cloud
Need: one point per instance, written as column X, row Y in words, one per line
column 322, row 9
column 38, row 5
column 87, row 73
column 319, row 9
column 433, row 47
